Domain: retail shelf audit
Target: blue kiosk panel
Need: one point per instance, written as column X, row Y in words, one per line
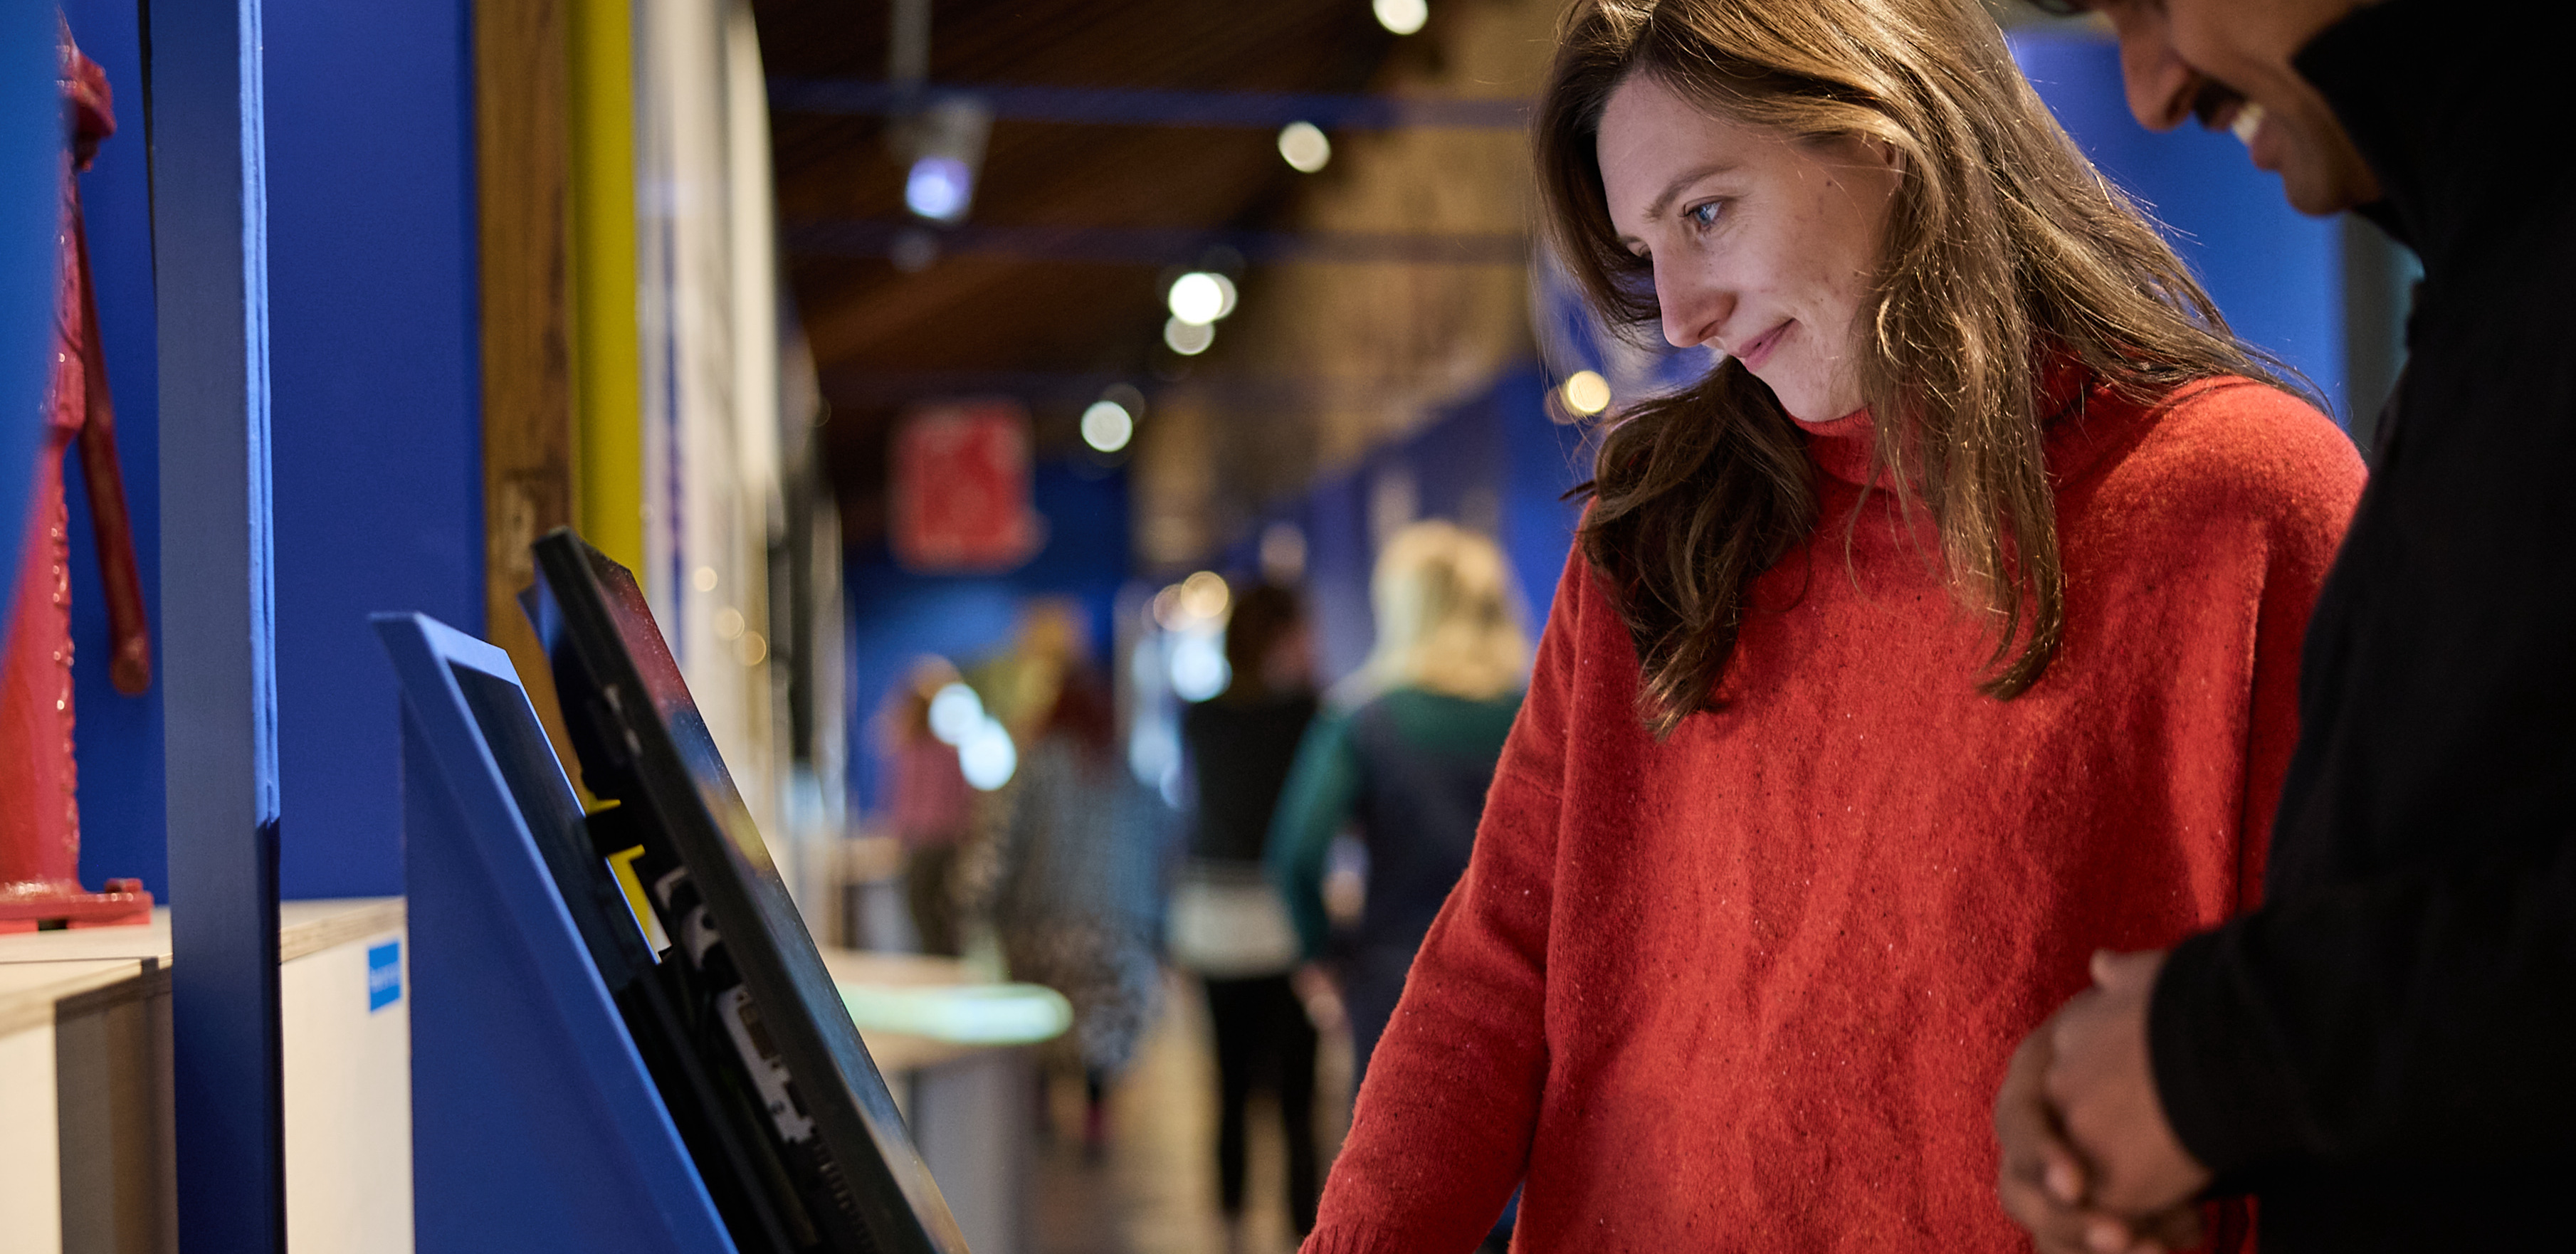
column 535, row 1125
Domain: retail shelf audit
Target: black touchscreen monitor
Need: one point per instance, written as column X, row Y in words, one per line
column 784, row 1111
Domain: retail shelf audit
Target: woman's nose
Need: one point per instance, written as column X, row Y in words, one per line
column 1693, row 307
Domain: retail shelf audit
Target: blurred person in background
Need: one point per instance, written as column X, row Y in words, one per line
column 1229, row 925
column 1945, row 632
column 1404, row 762
column 1070, row 877
column 1018, row 685
column 932, row 806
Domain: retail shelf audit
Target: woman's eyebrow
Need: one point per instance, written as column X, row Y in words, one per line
column 1673, row 190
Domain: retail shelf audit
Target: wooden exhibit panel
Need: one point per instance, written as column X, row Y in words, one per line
column 522, row 76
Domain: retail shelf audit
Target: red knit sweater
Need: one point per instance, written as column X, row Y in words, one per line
column 1753, row 988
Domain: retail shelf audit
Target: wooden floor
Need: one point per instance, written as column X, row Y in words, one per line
column 1153, row 1189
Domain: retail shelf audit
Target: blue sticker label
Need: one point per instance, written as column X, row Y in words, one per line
column 384, row 975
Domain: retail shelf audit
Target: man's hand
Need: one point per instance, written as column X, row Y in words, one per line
column 2042, row 1182
column 2089, row 1163
column 2100, row 1084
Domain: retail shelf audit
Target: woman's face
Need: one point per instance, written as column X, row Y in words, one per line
column 1762, row 246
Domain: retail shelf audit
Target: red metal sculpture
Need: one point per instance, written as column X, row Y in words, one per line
column 39, row 805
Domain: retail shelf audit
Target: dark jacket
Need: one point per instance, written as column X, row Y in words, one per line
column 1409, row 770
column 2386, row 1052
column 1241, row 752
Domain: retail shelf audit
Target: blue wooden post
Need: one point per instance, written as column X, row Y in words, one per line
column 210, row 227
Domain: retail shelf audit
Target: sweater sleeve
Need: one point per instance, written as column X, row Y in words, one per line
column 2313, row 475
column 1442, row 1131
column 1312, row 807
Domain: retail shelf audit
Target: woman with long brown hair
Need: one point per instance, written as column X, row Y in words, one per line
column 1945, row 633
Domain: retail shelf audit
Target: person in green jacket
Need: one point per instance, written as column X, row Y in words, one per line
column 1403, row 760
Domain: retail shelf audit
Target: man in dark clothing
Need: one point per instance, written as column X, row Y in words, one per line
column 2385, row 1052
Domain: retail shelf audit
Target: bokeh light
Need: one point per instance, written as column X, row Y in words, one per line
column 1189, row 339
column 1304, row 147
column 939, row 188
column 1199, row 297
column 1204, row 595
column 1198, row 667
column 1586, row 393
column 987, row 757
column 1402, row 16
column 954, row 712
column 1107, row 426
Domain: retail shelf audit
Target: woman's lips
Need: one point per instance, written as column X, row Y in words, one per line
column 1758, row 349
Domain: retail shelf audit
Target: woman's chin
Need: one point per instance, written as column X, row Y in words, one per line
column 1813, row 406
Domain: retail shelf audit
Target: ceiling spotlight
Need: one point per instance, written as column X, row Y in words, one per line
column 1189, row 339
column 1107, row 426
column 1402, row 16
column 945, row 142
column 1303, row 146
column 939, row 188
column 1586, row 393
column 1200, row 298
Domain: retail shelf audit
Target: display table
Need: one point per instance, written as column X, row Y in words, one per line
column 964, row 1075
column 85, row 1096
column 85, row 1084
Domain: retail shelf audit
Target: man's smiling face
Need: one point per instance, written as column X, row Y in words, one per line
column 2226, row 63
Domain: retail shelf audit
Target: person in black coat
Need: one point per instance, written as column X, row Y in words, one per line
column 1240, row 746
column 2385, row 1052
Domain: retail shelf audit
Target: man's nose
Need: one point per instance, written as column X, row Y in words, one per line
column 2161, row 85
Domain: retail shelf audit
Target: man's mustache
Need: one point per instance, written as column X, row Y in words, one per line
column 2210, row 98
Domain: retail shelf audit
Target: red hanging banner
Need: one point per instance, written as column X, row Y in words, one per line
column 961, row 488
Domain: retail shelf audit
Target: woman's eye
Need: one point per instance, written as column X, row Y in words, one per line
column 1704, row 216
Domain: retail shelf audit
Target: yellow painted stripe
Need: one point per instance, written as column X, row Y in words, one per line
column 622, row 865
column 608, row 379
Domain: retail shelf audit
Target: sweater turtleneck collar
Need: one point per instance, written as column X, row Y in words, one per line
column 1842, row 448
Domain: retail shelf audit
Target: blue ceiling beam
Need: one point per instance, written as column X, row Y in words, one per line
column 1154, row 106
column 1156, row 246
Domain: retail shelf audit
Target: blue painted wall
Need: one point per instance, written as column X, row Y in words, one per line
column 896, row 615
column 376, row 409
column 30, row 209
column 1496, row 453
column 2276, row 273
column 377, row 401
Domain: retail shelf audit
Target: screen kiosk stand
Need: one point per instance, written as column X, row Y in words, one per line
column 535, row 1124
